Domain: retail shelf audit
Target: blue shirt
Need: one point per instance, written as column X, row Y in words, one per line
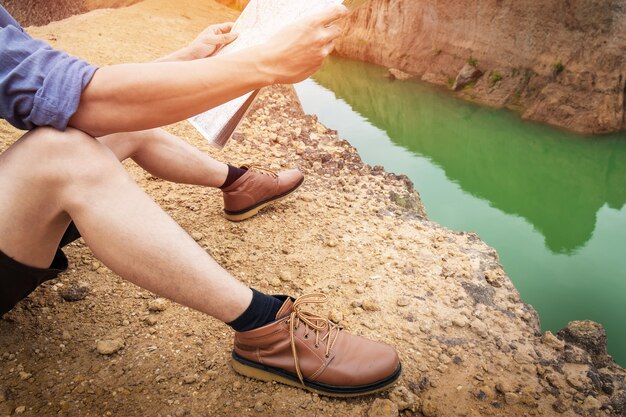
column 39, row 86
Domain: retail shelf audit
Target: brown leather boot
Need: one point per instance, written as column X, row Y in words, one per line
column 308, row 351
column 256, row 189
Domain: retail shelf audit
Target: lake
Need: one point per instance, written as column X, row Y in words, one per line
column 551, row 202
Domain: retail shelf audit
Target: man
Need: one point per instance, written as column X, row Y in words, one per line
column 59, row 173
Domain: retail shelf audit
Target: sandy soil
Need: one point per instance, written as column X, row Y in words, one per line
column 469, row 345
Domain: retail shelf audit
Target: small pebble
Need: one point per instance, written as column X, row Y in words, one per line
column 403, row 302
column 336, row 316
column 75, row 292
column 383, row 408
column 459, row 321
column 197, row 236
column 190, row 379
column 370, row 305
column 259, row 407
column 157, row 305
column 109, row 347
column 331, row 243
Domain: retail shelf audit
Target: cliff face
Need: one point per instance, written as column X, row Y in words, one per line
column 560, row 62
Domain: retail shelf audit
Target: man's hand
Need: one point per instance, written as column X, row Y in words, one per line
column 211, row 40
column 298, row 50
column 131, row 97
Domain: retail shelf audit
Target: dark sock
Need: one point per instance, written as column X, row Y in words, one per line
column 262, row 310
column 234, row 174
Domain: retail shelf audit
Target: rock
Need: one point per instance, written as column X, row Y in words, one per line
column 150, row 320
column 429, row 409
column 404, row 399
column 383, row 408
column 396, row 74
column 467, row 75
column 552, row 341
column 494, row 278
column 459, row 321
column 410, row 202
column 336, row 316
column 190, row 379
column 511, row 398
column 21, row 409
column 479, row 327
column 618, row 402
column 197, row 236
column 3, row 395
column 157, row 305
column 109, row 347
column 259, row 406
column 75, row 292
column 576, row 376
column 306, row 198
column 559, row 406
column 592, row 403
column 25, row 375
column 403, row 302
column 589, row 336
column 276, row 282
column 503, row 387
column 285, row 276
column 370, row 305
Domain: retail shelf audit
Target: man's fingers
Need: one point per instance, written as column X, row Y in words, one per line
column 332, row 33
column 223, row 27
column 330, row 15
column 222, row 39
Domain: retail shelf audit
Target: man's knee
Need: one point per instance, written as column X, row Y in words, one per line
column 65, row 156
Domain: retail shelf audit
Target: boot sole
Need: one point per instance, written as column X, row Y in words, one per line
column 268, row 374
column 238, row 216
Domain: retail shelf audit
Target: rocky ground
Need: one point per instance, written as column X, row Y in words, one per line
column 42, row 12
column 90, row 344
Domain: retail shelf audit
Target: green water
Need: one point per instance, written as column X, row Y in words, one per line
column 551, row 202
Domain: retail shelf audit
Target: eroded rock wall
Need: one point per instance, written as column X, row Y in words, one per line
column 560, row 62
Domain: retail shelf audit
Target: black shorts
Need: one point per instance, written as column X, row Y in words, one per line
column 18, row 280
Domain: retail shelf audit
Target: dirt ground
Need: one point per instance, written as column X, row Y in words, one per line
column 42, row 12
column 469, row 345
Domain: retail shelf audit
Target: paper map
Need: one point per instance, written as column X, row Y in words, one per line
column 259, row 21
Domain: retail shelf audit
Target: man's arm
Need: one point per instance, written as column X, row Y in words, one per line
column 140, row 96
column 131, row 97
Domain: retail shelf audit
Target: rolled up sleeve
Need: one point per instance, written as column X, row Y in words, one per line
column 39, row 86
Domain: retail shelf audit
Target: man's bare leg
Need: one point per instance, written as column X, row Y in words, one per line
column 48, row 177
column 168, row 157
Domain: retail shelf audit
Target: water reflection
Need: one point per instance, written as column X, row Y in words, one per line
column 555, row 180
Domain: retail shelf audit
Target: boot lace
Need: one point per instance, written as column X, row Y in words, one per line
column 325, row 330
column 261, row 169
